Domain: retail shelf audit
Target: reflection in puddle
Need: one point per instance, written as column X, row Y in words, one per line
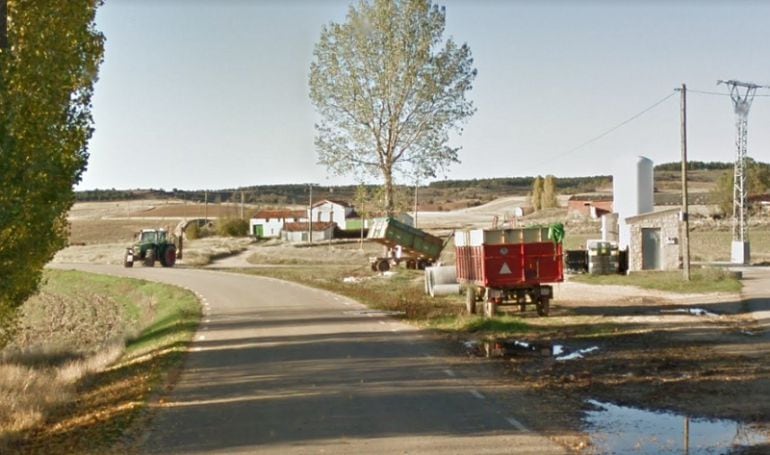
column 619, row 429
column 513, row 348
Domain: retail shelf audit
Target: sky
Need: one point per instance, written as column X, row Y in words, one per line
column 197, row 94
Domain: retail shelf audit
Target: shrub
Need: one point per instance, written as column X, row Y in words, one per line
column 233, row 227
column 193, row 231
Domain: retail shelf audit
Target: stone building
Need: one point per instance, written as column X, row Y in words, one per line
column 654, row 242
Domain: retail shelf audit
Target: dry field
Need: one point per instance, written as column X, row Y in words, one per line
column 54, row 386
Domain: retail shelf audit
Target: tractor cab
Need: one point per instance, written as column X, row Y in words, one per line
column 152, row 236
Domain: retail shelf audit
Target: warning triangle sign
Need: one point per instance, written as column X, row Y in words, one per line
column 505, row 270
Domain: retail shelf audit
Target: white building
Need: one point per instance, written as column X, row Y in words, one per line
column 328, row 211
column 298, row 232
column 270, row 223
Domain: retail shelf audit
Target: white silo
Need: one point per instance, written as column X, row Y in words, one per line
column 632, row 187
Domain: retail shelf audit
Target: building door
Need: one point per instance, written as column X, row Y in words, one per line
column 651, row 248
column 258, row 232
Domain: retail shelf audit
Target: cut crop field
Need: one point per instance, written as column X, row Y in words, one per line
column 90, row 351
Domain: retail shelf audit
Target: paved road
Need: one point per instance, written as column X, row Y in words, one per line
column 281, row 368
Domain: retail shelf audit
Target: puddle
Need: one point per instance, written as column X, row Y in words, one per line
column 515, row 348
column 619, row 429
column 692, row 311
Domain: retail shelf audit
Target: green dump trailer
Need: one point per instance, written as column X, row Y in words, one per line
column 416, row 248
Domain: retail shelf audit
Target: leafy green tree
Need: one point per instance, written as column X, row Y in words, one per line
column 362, row 201
column 389, row 90
column 537, row 193
column 548, row 197
column 232, row 227
column 757, row 182
column 48, row 67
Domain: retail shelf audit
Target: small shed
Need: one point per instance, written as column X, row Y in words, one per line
column 654, row 241
column 298, row 232
column 590, row 205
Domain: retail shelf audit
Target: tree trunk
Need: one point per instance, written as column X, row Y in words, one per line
column 3, row 24
column 389, row 203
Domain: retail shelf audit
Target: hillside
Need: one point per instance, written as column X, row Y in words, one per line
column 437, row 196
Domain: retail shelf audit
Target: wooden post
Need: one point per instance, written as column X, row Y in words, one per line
column 310, row 216
column 415, row 202
column 685, row 206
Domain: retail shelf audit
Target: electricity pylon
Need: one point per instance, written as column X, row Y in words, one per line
column 742, row 99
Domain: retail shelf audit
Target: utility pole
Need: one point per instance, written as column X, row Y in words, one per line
column 310, row 215
column 206, row 205
column 740, row 250
column 416, row 184
column 685, row 205
column 242, row 198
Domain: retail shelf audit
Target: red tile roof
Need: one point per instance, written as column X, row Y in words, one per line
column 270, row 214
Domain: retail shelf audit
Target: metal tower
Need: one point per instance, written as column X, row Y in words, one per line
column 741, row 104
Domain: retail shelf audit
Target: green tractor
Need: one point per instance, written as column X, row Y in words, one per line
column 153, row 245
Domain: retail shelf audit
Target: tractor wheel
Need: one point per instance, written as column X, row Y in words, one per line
column 149, row 258
column 470, row 300
column 543, row 306
column 411, row 264
column 169, row 256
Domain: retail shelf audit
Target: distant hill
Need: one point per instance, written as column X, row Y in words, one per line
column 439, row 195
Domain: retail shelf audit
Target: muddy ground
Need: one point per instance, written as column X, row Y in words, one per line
column 647, row 350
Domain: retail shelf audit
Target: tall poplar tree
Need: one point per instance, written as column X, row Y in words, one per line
column 537, row 193
column 548, row 197
column 389, row 90
column 49, row 58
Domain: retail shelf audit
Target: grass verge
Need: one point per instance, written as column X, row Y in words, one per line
column 401, row 293
column 702, row 281
column 92, row 351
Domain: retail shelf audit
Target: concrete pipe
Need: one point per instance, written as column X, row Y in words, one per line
column 437, row 276
column 445, row 289
column 444, row 275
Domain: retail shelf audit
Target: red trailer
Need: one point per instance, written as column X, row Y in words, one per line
column 509, row 267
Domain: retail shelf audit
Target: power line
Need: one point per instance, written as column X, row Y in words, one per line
column 706, row 92
column 610, row 130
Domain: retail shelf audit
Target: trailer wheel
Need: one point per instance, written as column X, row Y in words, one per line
column 383, row 265
column 411, row 264
column 490, row 308
column 470, row 300
column 543, row 306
